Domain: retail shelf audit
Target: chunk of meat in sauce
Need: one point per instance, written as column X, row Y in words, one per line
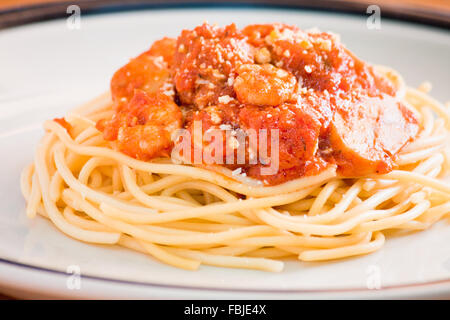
column 205, row 60
column 214, row 122
column 317, row 59
column 364, row 138
column 143, row 127
column 298, row 132
column 297, row 128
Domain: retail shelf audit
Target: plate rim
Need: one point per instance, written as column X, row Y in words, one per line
column 415, row 285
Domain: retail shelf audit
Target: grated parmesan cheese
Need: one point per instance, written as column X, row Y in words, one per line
column 324, row 44
column 225, row 99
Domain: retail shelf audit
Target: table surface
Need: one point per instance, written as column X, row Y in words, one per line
column 417, row 4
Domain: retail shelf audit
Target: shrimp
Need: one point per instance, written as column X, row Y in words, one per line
column 264, row 85
column 150, row 72
column 143, row 127
column 145, row 112
column 164, row 47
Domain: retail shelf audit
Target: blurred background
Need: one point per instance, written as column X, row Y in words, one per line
column 418, row 4
column 435, row 12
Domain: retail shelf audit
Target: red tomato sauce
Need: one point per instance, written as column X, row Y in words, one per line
column 328, row 106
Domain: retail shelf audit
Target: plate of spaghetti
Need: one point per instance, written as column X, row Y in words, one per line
column 249, row 156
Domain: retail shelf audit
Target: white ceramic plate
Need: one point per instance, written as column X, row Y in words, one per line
column 46, row 69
